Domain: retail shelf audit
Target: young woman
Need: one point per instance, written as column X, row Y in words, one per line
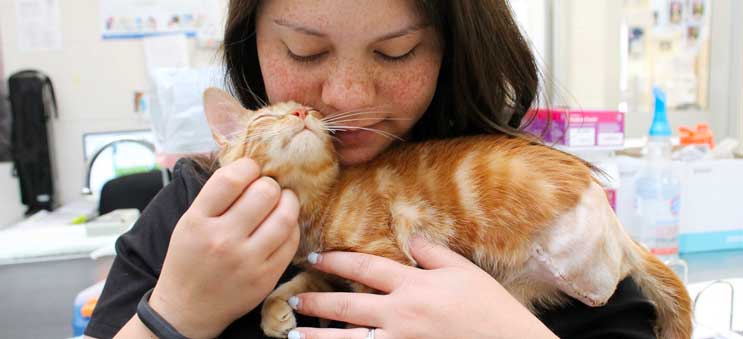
column 436, row 69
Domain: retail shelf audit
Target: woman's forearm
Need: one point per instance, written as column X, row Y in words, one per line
column 134, row 329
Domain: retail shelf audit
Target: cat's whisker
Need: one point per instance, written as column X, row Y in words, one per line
column 378, row 114
column 342, row 116
column 379, row 109
column 254, row 130
column 367, row 119
column 229, row 136
column 262, row 136
column 266, row 135
column 361, row 109
column 373, row 130
column 335, row 138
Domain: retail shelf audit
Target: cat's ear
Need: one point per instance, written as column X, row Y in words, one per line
column 223, row 113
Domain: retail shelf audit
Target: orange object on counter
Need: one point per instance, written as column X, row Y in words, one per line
column 702, row 135
column 87, row 309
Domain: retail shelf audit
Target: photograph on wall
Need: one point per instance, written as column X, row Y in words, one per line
column 676, row 14
column 134, row 19
column 697, row 9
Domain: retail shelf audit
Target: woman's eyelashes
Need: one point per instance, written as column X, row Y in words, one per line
column 317, row 57
column 306, row 59
column 396, row 58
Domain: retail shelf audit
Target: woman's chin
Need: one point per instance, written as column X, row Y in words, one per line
column 358, row 155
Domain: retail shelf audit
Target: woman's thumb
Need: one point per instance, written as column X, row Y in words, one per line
column 432, row 256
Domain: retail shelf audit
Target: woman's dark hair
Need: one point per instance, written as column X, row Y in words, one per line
column 488, row 78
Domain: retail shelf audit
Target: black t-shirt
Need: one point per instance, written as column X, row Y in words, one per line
column 141, row 252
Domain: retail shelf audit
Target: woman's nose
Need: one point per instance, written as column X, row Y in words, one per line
column 349, row 86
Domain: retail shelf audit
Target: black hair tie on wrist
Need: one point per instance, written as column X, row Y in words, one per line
column 159, row 326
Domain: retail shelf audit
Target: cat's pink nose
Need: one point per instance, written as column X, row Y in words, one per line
column 300, row 114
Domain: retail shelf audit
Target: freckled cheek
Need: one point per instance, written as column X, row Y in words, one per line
column 411, row 92
column 284, row 82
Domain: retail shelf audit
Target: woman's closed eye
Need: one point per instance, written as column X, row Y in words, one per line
column 317, row 57
column 310, row 58
column 396, row 58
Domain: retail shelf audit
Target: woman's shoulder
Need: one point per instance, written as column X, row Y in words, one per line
column 189, row 176
column 151, row 232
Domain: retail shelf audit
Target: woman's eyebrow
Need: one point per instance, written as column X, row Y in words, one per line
column 405, row 31
column 298, row 28
column 310, row 31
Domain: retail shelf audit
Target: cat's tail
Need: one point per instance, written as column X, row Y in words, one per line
column 661, row 285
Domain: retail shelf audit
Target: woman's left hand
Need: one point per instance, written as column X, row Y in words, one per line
column 449, row 298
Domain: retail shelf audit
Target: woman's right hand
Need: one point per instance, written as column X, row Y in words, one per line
column 227, row 251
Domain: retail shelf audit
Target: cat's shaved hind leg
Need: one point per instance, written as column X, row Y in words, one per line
column 277, row 317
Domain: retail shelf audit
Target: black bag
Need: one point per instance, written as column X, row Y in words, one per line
column 32, row 102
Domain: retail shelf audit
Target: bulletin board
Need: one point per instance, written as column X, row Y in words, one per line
column 133, row 19
column 667, row 44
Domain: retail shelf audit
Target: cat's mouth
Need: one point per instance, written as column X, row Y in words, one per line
column 304, row 134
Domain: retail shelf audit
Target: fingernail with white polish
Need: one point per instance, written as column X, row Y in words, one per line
column 294, row 334
column 313, row 258
column 294, row 302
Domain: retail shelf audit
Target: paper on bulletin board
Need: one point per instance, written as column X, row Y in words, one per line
column 667, row 45
column 169, row 51
column 38, row 25
column 134, row 19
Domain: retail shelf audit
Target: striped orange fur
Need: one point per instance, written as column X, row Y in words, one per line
column 496, row 200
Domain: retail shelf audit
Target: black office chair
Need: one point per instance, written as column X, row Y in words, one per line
column 130, row 191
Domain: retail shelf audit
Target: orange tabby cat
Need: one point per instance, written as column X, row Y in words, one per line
column 533, row 217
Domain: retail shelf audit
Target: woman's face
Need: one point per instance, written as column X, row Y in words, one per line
column 376, row 56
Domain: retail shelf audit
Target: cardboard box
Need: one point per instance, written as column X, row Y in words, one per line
column 711, row 208
column 711, row 205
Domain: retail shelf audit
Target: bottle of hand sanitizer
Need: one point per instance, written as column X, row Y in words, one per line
column 658, row 191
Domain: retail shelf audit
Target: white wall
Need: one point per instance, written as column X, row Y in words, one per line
column 586, row 53
column 725, row 57
column 94, row 81
column 10, row 197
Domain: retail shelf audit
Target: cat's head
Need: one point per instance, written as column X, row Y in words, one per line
column 288, row 140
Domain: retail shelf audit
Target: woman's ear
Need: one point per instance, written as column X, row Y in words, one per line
column 223, row 113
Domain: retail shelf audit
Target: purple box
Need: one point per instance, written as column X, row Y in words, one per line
column 577, row 128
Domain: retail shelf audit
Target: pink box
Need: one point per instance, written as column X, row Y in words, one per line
column 578, row 128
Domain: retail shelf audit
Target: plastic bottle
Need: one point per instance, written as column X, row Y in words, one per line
column 85, row 302
column 658, row 190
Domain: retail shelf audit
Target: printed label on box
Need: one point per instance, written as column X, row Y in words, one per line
column 582, row 136
column 606, row 139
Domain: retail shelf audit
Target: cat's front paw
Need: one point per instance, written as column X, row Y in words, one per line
column 277, row 317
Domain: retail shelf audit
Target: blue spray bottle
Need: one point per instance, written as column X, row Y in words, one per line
column 658, row 191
